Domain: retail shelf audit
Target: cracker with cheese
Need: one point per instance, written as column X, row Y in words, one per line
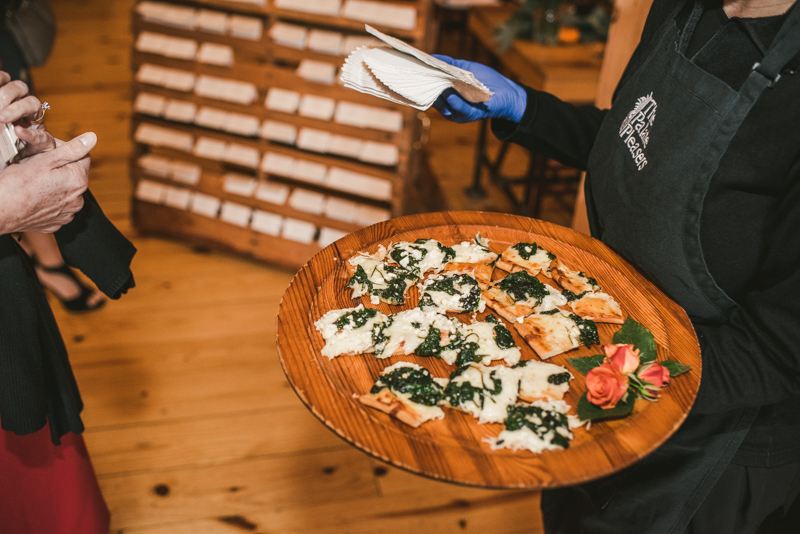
column 599, row 307
column 451, row 292
column 537, row 427
column 575, row 281
column 482, row 342
column 474, row 259
column 520, row 294
column 550, row 334
column 481, row 391
column 542, row 381
column 407, row 392
column 421, row 256
column 371, row 275
column 425, row 333
column 350, row 331
column 525, row 256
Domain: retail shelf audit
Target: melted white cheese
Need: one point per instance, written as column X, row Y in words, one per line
column 553, row 300
column 404, row 337
column 533, row 382
column 483, row 334
column 443, row 301
column 348, row 340
column 430, row 258
column 526, row 439
column 495, row 406
column 427, row 413
column 536, row 263
column 468, row 252
column 375, row 268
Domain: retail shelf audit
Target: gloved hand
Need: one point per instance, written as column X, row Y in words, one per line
column 508, row 102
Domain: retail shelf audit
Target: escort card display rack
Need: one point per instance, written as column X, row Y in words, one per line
column 246, row 141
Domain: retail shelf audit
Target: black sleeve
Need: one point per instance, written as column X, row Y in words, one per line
column 754, row 358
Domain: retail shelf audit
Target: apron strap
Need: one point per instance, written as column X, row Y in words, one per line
column 785, row 46
column 691, row 25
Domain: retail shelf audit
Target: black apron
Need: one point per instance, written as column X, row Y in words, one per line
column 648, row 173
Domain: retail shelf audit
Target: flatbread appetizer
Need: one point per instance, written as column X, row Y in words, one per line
column 474, row 259
column 541, row 426
column 520, row 294
column 481, row 391
column 542, row 381
column 550, row 334
column 422, row 256
column 451, row 292
column 350, row 331
column 574, row 281
column 482, row 342
column 414, row 331
column 525, row 256
column 371, row 275
column 599, row 307
column 408, row 393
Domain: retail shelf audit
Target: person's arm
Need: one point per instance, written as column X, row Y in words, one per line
column 754, row 358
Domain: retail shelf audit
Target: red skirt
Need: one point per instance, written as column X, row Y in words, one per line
column 49, row 489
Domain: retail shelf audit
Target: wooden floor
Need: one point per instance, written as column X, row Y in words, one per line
column 191, row 423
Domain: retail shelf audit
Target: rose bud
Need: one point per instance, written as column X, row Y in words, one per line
column 606, row 385
column 656, row 374
column 624, row 356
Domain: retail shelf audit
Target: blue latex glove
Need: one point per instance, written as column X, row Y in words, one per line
column 508, row 102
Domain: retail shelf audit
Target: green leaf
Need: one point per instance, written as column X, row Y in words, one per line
column 641, row 338
column 585, row 364
column 675, row 368
column 589, row 412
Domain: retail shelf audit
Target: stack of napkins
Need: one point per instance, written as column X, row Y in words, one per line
column 408, row 76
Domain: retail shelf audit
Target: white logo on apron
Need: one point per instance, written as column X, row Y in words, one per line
column 635, row 129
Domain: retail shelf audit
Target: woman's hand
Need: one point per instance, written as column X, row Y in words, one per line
column 20, row 108
column 508, row 102
column 42, row 193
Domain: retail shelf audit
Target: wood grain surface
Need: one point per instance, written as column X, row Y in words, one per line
column 453, row 449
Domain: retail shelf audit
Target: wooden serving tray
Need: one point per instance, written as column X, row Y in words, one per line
column 453, row 448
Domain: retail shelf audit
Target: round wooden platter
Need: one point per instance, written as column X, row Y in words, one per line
column 453, row 448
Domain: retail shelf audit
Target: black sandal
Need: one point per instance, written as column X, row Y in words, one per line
column 79, row 303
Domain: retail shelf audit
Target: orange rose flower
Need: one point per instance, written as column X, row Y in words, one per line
column 656, row 374
column 606, row 385
column 624, row 356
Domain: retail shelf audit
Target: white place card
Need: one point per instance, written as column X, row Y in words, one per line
column 282, row 100
column 178, row 80
column 246, row 27
column 308, row 201
column 149, row 134
column 308, row 171
column 178, row 198
column 317, row 107
column 392, row 15
column 289, row 35
column 241, row 124
column 151, row 192
column 187, row 173
column 272, row 193
column 325, row 42
column 277, row 164
column 178, row 48
column 151, row 74
column 379, row 153
column 155, row 165
column 279, row 131
column 340, row 209
column 209, row 148
column 239, row 184
column 329, row 235
column 266, row 223
column 178, row 16
column 367, row 215
column 151, row 43
column 314, row 140
column 317, row 71
column 215, row 54
column 317, row 7
column 251, row 2
column 352, row 42
column 205, row 205
column 241, row 155
column 211, row 21
column 211, row 118
column 236, row 214
column 368, row 117
column 244, row 93
column 300, row 231
column 177, row 110
column 359, row 184
column 349, row 147
column 149, row 104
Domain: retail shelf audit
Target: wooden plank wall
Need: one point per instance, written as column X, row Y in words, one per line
column 191, row 423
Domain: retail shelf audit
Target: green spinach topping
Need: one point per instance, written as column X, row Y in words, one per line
column 466, row 353
column 591, row 281
column 432, row 345
column 447, row 284
column 449, row 253
column 460, row 394
column 550, row 312
column 526, row 250
column 546, row 425
column 522, row 286
column 379, row 336
column 418, row 384
column 401, row 253
column 356, row 318
column 589, row 335
column 551, row 256
column 397, row 284
column 572, row 296
column 559, row 378
column 502, row 337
